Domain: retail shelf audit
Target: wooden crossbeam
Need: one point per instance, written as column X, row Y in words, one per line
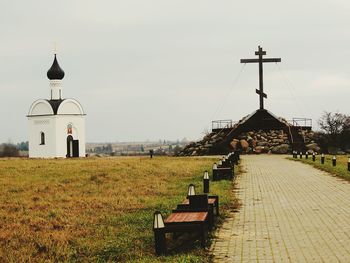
column 264, row 60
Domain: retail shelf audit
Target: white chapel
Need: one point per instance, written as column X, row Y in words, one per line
column 56, row 125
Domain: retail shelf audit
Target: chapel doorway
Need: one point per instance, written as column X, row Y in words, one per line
column 72, row 147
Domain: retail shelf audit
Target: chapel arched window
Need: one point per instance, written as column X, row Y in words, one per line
column 42, row 138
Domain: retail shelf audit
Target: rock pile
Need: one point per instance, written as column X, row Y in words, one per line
column 310, row 139
column 272, row 141
column 259, row 132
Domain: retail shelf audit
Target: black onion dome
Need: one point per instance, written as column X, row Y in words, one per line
column 55, row 72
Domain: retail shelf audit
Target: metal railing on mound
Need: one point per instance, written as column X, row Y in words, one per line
column 226, row 124
column 222, row 124
column 301, row 122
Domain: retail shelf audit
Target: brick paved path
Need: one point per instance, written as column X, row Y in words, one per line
column 290, row 212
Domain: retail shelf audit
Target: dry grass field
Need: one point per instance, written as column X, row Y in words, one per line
column 93, row 209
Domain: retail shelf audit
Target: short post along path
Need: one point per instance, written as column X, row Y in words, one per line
column 290, row 212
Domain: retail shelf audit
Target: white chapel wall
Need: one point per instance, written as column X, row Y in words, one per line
column 45, row 124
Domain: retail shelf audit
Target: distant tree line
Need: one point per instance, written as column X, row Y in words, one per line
column 335, row 132
column 103, row 149
column 136, row 149
column 23, row 146
column 12, row 150
column 8, row 150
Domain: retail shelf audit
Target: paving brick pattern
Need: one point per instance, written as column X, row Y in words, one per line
column 290, row 212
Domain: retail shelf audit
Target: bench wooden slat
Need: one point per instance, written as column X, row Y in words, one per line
column 186, row 217
column 211, row 201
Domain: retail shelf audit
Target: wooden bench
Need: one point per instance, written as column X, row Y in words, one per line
column 234, row 157
column 212, row 200
column 188, row 221
column 213, row 206
column 194, row 214
column 197, row 203
column 179, row 222
column 226, row 164
column 222, row 173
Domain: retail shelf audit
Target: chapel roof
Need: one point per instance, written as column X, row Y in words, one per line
column 55, row 72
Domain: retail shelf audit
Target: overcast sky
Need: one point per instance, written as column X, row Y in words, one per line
column 158, row 69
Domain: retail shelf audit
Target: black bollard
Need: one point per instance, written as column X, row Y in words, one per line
column 206, row 182
column 301, row 155
column 334, row 161
column 349, row 164
column 306, row 155
column 313, row 157
column 159, row 234
column 322, row 158
column 215, row 172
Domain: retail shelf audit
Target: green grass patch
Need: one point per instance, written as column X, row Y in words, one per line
column 96, row 209
column 341, row 169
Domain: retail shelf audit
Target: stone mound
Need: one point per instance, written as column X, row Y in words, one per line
column 259, row 132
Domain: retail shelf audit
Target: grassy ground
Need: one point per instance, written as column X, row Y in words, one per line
column 341, row 169
column 94, row 210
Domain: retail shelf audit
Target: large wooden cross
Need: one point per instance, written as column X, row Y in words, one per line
column 261, row 60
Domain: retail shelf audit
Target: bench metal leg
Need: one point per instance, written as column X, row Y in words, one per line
column 203, row 235
column 160, row 241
